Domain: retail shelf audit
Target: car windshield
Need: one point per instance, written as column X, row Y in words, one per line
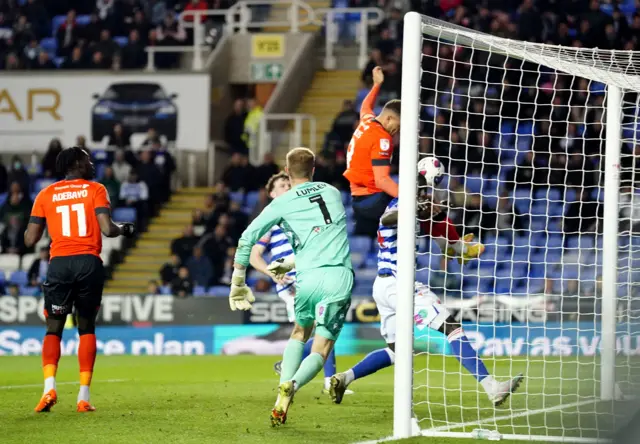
column 134, row 92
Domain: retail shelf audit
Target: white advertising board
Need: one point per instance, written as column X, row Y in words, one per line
column 34, row 108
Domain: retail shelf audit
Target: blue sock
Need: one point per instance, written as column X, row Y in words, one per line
column 330, row 365
column 374, row 361
column 468, row 357
column 307, row 348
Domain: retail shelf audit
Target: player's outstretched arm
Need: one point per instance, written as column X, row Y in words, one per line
column 257, row 262
column 111, row 229
column 369, row 102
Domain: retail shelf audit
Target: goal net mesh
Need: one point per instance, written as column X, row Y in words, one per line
column 520, row 128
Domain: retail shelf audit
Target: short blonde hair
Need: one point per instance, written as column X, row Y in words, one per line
column 300, row 163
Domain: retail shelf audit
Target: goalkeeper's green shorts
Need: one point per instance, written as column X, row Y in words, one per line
column 323, row 296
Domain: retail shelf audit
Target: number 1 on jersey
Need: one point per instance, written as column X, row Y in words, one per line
column 323, row 208
column 65, row 211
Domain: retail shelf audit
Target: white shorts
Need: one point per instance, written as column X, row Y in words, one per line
column 428, row 311
column 287, row 297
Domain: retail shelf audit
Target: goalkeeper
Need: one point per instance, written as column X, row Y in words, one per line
column 313, row 218
column 429, row 312
column 277, row 243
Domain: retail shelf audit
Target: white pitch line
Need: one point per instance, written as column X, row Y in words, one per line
column 492, row 419
column 10, row 387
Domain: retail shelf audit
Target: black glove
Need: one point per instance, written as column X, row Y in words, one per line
column 128, row 229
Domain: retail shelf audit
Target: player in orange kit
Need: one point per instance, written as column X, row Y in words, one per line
column 369, row 160
column 76, row 212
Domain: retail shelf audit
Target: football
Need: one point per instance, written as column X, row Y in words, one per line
column 432, row 170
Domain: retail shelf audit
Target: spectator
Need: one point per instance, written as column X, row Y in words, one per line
column 81, row 141
column 169, row 270
column 134, row 193
column 38, row 269
column 252, row 123
column 116, row 62
column 105, row 8
column 234, row 128
column 121, row 168
column 18, row 174
column 3, row 178
column 44, row 63
column 151, row 175
column 200, row 268
column 133, row 54
column 183, row 246
column 98, row 61
column 583, row 215
column 151, row 138
column 106, row 46
column 239, row 175
column 238, row 221
column 386, row 44
column 375, row 59
column 111, row 184
column 169, row 33
column 91, row 31
column 265, row 170
column 506, row 220
column 67, row 35
column 215, row 246
column 166, row 164
column 195, row 5
column 182, row 286
column 262, row 285
column 344, row 122
column 12, row 62
column 49, row 159
column 13, row 290
column 22, row 33
column 139, row 24
column 31, row 52
column 76, row 61
column 118, row 137
column 14, row 214
column 153, row 288
column 157, row 10
column 36, row 14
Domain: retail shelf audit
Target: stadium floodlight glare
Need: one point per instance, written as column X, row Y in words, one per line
column 511, row 102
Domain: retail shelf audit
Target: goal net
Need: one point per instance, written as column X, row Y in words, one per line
column 522, row 129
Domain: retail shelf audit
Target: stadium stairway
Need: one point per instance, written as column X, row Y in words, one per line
column 324, row 101
column 152, row 249
column 279, row 13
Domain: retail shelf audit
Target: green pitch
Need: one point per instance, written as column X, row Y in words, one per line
column 218, row 399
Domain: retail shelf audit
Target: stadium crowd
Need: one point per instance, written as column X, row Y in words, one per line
column 522, row 146
column 94, row 34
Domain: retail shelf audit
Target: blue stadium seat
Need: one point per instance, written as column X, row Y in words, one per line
column 199, row 290
column 19, row 277
column 237, row 196
column 83, row 20
column 2, row 277
column 49, row 44
column 360, row 244
column 56, row 22
column 121, row 40
column 58, row 61
column 26, row 290
column 251, row 199
column 42, row 183
column 165, row 289
column 124, row 214
column 219, row 291
column 473, row 184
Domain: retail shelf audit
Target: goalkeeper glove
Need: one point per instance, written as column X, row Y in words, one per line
column 240, row 296
column 127, row 229
column 469, row 251
column 281, row 267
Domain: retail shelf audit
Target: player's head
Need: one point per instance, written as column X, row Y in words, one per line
column 300, row 163
column 389, row 117
column 278, row 184
column 75, row 162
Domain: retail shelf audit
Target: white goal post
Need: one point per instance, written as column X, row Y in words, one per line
column 618, row 70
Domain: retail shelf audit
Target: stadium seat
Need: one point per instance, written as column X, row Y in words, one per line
column 121, row 40
column 124, row 214
column 56, row 22
column 219, row 291
column 199, row 290
column 41, row 184
column 49, row 44
column 9, row 262
column 165, row 289
column 360, row 244
column 251, row 199
column 26, row 290
column 357, row 259
column 237, row 196
column 473, row 183
column 83, row 19
column 19, row 277
column 3, row 198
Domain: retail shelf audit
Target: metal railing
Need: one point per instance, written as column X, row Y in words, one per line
column 243, row 16
column 280, row 134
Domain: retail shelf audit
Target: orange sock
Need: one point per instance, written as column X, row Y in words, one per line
column 86, row 358
column 50, row 358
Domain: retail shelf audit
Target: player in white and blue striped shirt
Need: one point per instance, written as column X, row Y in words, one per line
column 277, row 244
column 428, row 311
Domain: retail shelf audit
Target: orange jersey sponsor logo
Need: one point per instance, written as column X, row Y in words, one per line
column 69, row 208
column 370, row 146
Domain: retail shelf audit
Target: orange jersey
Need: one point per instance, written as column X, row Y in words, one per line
column 370, row 146
column 69, row 208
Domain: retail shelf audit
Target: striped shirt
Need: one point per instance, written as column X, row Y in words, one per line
column 277, row 243
column 388, row 244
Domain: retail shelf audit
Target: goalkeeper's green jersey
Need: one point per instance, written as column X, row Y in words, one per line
column 313, row 219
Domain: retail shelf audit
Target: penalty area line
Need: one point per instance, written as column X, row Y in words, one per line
column 11, row 387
